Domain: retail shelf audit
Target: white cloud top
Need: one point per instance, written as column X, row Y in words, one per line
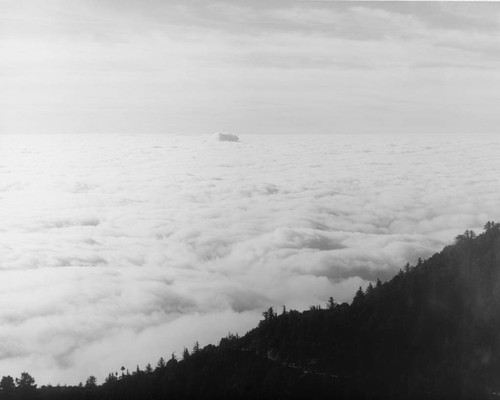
column 125, row 248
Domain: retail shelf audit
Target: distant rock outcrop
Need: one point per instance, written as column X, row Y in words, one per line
column 226, row 137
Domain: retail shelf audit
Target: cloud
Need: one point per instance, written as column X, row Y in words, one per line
column 180, row 67
column 127, row 248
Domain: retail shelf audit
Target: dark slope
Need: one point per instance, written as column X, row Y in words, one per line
column 431, row 332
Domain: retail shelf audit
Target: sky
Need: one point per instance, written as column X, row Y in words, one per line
column 196, row 67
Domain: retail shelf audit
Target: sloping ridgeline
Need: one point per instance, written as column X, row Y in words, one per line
column 431, row 332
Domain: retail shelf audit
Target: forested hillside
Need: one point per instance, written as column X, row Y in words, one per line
column 431, row 332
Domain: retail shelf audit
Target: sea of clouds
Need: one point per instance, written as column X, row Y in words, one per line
column 118, row 249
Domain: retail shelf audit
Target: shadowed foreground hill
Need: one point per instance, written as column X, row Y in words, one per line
column 431, row 332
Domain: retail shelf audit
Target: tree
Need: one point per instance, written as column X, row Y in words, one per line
column 7, row 384
column 470, row 234
column 490, row 225
column 467, row 236
column 173, row 360
column 407, row 267
column 196, row 347
column 110, row 378
column 161, row 362
column 331, row 304
column 91, row 382
column 359, row 296
column 269, row 314
column 369, row 289
column 185, row 354
column 26, row 386
column 26, row 381
column 491, row 228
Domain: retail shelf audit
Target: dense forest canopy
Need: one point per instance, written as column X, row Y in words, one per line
column 431, row 332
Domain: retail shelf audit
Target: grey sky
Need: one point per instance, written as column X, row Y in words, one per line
column 249, row 67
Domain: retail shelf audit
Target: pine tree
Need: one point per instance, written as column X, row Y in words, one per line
column 196, row 347
column 161, row 363
column 331, row 304
column 369, row 289
column 359, row 296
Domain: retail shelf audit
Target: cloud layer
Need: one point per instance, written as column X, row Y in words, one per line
column 117, row 249
column 252, row 67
